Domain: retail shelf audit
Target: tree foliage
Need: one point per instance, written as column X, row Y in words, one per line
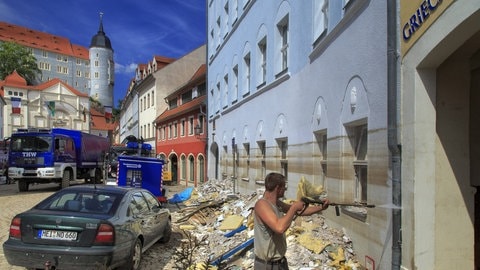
column 16, row 57
column 99, row 107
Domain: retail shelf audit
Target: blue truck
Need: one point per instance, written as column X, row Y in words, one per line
column 55, row 156
column 131, row 146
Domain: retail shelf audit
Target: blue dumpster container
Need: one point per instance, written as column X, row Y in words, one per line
column 138, row 171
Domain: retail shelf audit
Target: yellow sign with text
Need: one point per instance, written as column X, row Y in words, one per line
column 416, row 16
column 167, row 176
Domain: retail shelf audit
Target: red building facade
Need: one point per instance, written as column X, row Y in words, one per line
column 181, row 135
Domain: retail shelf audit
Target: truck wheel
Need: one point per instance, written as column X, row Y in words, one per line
column 22, row 185
column 66, row 179
column 98, row 176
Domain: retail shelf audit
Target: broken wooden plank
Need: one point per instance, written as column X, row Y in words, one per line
column 212, row 204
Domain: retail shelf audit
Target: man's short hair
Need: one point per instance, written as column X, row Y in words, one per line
column 273, row 180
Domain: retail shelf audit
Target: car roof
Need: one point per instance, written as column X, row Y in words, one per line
column 101, row 188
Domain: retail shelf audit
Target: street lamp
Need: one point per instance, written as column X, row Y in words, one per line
column 198, row 130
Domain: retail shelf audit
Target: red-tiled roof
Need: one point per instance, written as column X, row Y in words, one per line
column 200, row 73
column 54, row 81
column 15, row 80
column 41, row 40
column 80, row 51
column 182, row 109
column 142, row 67
column 98, row 121
column 163, row 61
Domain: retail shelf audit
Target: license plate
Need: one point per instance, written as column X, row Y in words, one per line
column 57, row 235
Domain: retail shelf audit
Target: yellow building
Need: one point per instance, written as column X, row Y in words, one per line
column 439, row 134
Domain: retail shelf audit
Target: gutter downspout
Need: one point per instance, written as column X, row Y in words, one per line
column 392, row 119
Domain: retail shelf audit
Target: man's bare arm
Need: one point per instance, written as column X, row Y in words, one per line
column 264, row 211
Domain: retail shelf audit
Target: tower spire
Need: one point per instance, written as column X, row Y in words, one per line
column 100, row 28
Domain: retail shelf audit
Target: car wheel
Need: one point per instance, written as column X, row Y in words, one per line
column 135, row 259
column 66, row 179
column 167, row 232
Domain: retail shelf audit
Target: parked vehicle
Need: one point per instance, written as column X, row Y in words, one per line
column 4, row 179
column 55, row 155
column 131, row 146
column 88, row 227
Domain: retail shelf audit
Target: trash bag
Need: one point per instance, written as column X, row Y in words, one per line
column 182, row 196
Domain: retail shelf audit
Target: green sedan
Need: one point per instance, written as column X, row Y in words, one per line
column 88, row 227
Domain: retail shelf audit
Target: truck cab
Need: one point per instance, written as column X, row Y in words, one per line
column 55, row 155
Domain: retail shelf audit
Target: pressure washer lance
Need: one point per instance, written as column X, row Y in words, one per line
column 308, row 200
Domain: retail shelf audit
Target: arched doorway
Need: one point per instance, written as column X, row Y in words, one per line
column 215, row 160
column 191, row 170
column 174, row 168
column 201, row 169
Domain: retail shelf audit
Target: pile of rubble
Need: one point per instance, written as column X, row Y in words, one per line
column 223, row 221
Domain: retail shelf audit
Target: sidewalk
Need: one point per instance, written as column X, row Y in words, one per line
column 173, row 189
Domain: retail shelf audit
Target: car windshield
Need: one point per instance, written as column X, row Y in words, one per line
column 85, row 202
column 31, row 143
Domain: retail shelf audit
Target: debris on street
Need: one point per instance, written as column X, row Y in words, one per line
column 224, row 221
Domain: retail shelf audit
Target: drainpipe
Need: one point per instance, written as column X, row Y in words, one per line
column 392, row 119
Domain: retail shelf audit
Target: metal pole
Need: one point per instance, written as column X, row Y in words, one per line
column 233, row 165
column 393, row 143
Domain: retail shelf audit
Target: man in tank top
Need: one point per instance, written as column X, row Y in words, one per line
column 272, row 218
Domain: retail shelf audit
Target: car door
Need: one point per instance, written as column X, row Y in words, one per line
column 145, row 219
column 161, row 215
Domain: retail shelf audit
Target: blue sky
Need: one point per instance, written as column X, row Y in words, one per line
column 138, row 30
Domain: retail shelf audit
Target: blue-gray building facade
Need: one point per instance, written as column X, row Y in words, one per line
column 299, row 87
column 71, row 69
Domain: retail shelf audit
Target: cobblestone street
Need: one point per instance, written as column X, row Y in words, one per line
column 13, row 202
column 161, row 256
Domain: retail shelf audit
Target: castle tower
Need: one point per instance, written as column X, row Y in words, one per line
column 101, row 67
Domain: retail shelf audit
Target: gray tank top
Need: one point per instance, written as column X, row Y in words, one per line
column 268, row 245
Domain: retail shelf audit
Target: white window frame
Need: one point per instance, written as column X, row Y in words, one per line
column 225, row 19
column 320, row 19
column 247, row 73
column 235, row 83
column 191, row 126
column 225, row 91
column 182, row 128
column 235, row 11
column 358, row 136
column 175, row 129
column 262, row 61
column 218, row 98
column 284, row 43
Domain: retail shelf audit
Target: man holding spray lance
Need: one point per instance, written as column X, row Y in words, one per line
column 272, row 217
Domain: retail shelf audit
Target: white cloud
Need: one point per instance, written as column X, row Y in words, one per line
column 131, row 68
column 125, row 69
